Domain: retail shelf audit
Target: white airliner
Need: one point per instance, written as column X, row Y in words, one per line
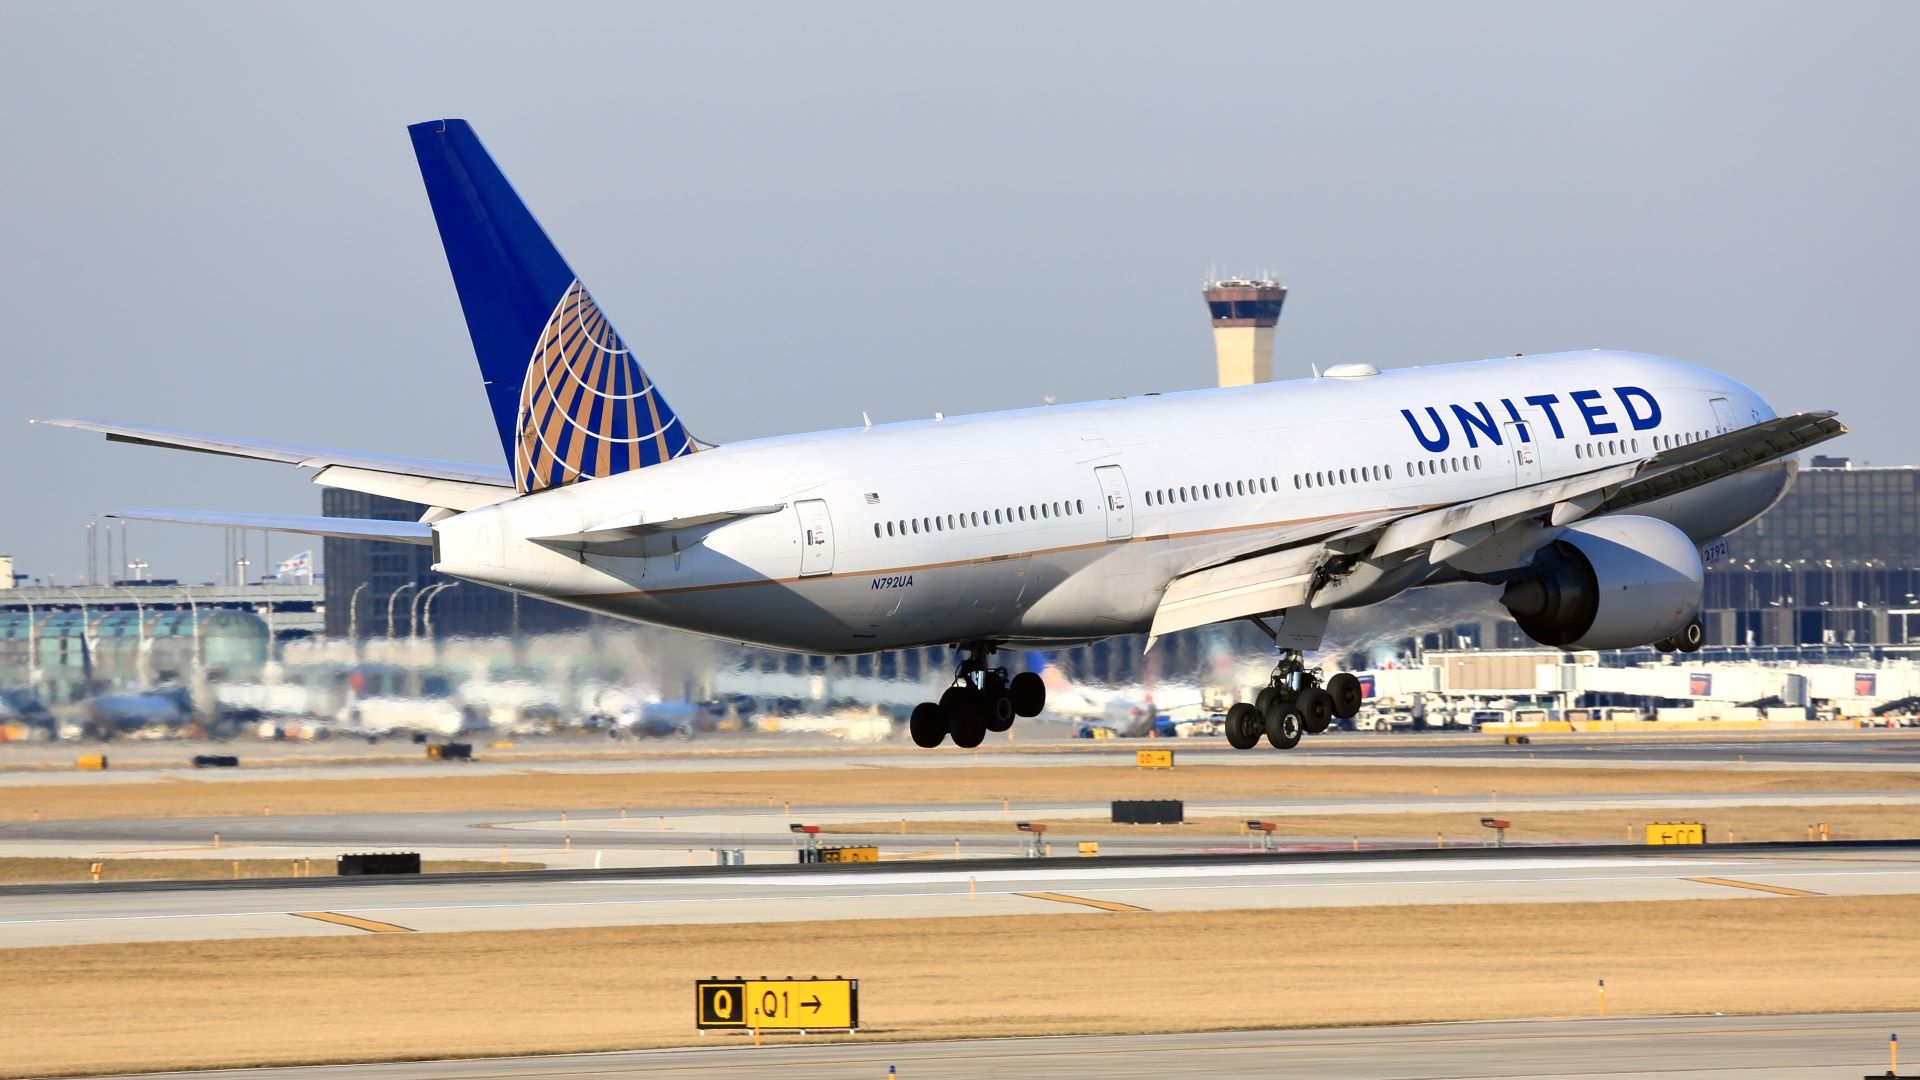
column 1584, row 483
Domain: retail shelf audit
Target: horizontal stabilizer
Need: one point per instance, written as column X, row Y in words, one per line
column 310, row 457
column 401, row 532
column 451, row 484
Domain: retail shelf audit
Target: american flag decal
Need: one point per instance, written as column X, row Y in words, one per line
column 872, row 497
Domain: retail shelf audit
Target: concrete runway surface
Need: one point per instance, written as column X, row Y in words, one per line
column 325, row 906
column 35, row 765
column 1822, row 1047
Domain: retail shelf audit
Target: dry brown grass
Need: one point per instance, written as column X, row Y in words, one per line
column 964, row 782
column 27, row 871
column 1725, row 824
column 116, row 1008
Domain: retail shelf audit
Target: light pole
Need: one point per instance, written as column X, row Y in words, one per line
column 140, row 636
column 353, row 617
column 87, row 643
column 413, row 623
column 431, row 594
column 194, row 607
column 33, row 648
column 390, row 600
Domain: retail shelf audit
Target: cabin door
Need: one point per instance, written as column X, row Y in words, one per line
column 816, row 537
column 1113, row 495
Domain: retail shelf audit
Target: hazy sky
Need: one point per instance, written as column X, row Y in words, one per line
column 210, row 216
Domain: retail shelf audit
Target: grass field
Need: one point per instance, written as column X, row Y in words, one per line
column 964, row 782
column 1725, row 825
column 356, row 998
column 25, row 871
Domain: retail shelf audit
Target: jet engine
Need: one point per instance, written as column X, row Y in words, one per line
column 1609, row 583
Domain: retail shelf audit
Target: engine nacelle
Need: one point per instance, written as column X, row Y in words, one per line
column 1609, row 583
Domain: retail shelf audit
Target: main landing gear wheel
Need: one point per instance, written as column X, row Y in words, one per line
column 1315, row 707
column 1345, row 691
column 1243, row 726
column 1029, row 694
column 981, row 699
column 966, row 716
column 928, row 725
column 996, row 707
column 1285, row 729
column 1292, row 704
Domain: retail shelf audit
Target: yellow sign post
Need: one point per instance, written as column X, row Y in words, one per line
column 1676, row 832
column 777, row 1004
column 1153, row 759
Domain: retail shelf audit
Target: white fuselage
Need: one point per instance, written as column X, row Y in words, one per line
column 1066, row 523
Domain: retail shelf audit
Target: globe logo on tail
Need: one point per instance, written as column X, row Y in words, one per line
column 587, row 409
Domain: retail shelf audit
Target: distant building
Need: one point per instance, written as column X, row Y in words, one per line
column 363, row 578
column 64, row 643
column 1837, row 562
column 1244, row 311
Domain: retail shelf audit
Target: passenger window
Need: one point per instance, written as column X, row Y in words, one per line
column 1079, row 507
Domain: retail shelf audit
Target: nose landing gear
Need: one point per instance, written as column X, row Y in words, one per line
column 1689, row 639
column 981, row 699
column 1294, row 703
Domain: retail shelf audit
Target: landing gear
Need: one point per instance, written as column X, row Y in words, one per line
column 1689, row 639
column 1244, row 726
column 1292, row 704
column 981, row 699
column 928, row 725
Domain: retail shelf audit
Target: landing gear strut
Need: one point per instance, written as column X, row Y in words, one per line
column 981, row 699
column 1294, row 703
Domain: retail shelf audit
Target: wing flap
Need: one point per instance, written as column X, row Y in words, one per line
column 1254, row 586
column 402, row 532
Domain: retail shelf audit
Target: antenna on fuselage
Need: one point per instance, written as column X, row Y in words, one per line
column 865, row 420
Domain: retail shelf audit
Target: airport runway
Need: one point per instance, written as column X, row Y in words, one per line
column 669, row 833
column 1821, row 1047
column 34, row 765
column 322, row 906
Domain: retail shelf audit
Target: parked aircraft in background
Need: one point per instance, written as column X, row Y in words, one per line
column 1584, row 484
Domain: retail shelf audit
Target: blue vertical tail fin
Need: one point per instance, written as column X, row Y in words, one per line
column 570, row 400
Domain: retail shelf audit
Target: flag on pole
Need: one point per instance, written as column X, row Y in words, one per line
column 300, row 565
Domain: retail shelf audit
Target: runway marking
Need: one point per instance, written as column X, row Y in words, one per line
column 1732, row 884
column 1103, row 905
column 369, row 925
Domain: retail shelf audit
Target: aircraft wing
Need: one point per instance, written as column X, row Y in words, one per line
column 403, row 532
column 454, row 485
column 1288, row 574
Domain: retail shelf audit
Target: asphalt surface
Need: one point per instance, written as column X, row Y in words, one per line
column 453, row 903
column 32, row 765
column 1693, row 1047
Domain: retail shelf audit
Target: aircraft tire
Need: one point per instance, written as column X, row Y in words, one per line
column 997, row 708
column 1029, row 694
column 1316, row 710
column 928, row 725
column 1243, row 726
column 1691, row 637
column 1345, row 690
column 1266, row 701
column 1285, row 733
column 966, row 718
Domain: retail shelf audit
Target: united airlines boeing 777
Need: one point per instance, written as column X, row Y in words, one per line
column 1584, row 484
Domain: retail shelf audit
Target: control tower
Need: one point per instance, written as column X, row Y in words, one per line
column 1244, row 313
